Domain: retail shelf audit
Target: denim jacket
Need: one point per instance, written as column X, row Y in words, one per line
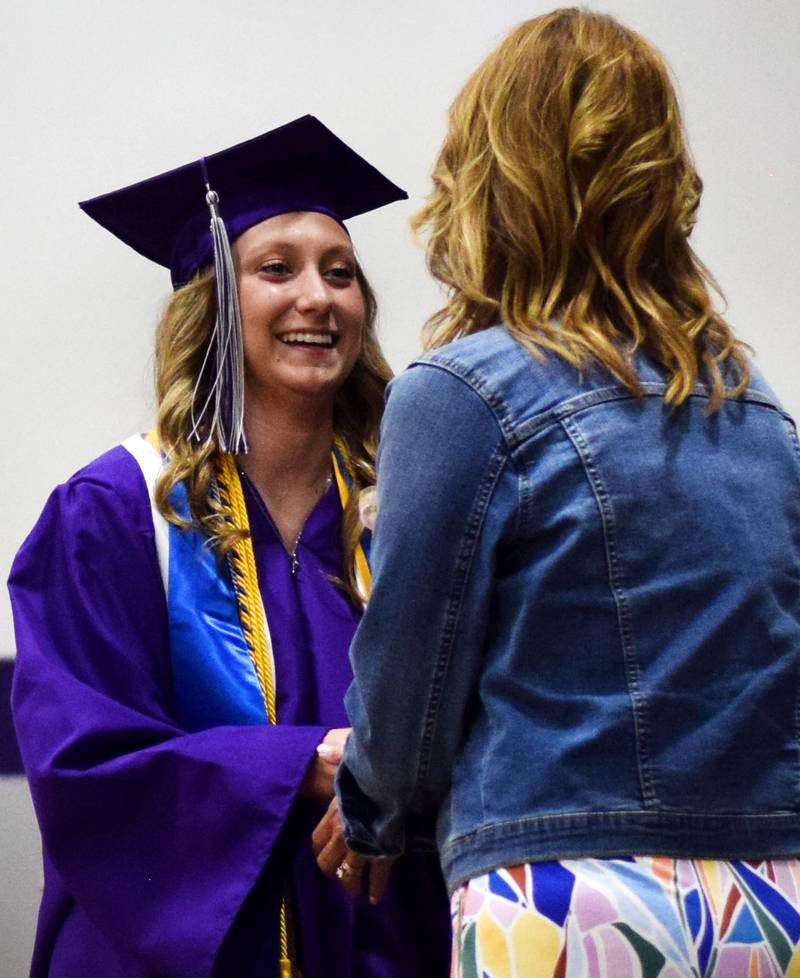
column 584, row 631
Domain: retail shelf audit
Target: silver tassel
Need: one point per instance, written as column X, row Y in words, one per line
column 225, row 398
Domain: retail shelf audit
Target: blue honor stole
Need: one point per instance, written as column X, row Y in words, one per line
column 216, row 614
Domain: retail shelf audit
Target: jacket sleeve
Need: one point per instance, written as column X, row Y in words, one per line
column 157, row 834
column 417, row 651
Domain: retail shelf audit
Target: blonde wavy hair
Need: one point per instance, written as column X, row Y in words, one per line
column 564, row 196
column 182, row 336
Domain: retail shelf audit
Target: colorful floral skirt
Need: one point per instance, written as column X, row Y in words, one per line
column 635, row 917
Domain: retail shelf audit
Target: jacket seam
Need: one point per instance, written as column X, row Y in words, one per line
column 626, row 814
column 454, row 605
column 632, row 672
column 515, row 435
column 539, row 422
column 477, row 385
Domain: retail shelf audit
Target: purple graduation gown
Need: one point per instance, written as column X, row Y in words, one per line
column 166, row 852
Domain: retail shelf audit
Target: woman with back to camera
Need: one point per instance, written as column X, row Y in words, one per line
column 181, row 751
column 585, row 656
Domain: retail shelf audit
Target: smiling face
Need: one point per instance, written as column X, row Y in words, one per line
column 301, row 306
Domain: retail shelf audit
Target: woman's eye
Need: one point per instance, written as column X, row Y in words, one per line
column 341, row 273
column 274, row 268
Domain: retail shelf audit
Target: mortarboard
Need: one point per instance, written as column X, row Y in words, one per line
column 301, row 166
column 186, row 218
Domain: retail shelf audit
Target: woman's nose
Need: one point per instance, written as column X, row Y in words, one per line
column 313, row 293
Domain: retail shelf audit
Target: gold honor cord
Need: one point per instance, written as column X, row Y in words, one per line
column 242, row 563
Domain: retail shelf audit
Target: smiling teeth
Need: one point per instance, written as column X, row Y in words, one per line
column 318, row 339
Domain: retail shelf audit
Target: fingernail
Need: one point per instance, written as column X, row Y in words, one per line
column 324, row 749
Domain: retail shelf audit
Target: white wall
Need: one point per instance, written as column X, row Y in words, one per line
column 20, row 878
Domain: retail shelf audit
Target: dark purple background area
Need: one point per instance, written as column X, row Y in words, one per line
column 10, row 761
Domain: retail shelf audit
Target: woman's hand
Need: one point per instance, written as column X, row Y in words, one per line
column 318, row 782
column 336, row 860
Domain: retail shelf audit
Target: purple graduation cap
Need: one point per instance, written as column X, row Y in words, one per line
column 186, row 219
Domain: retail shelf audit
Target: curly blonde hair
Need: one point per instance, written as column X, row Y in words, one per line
column 182, row 337
column 564, row 196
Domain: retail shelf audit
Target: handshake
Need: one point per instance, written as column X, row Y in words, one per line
column 357, row 874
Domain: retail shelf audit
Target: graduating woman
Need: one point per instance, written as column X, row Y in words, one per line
column 586, row 657
column 184, row 606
